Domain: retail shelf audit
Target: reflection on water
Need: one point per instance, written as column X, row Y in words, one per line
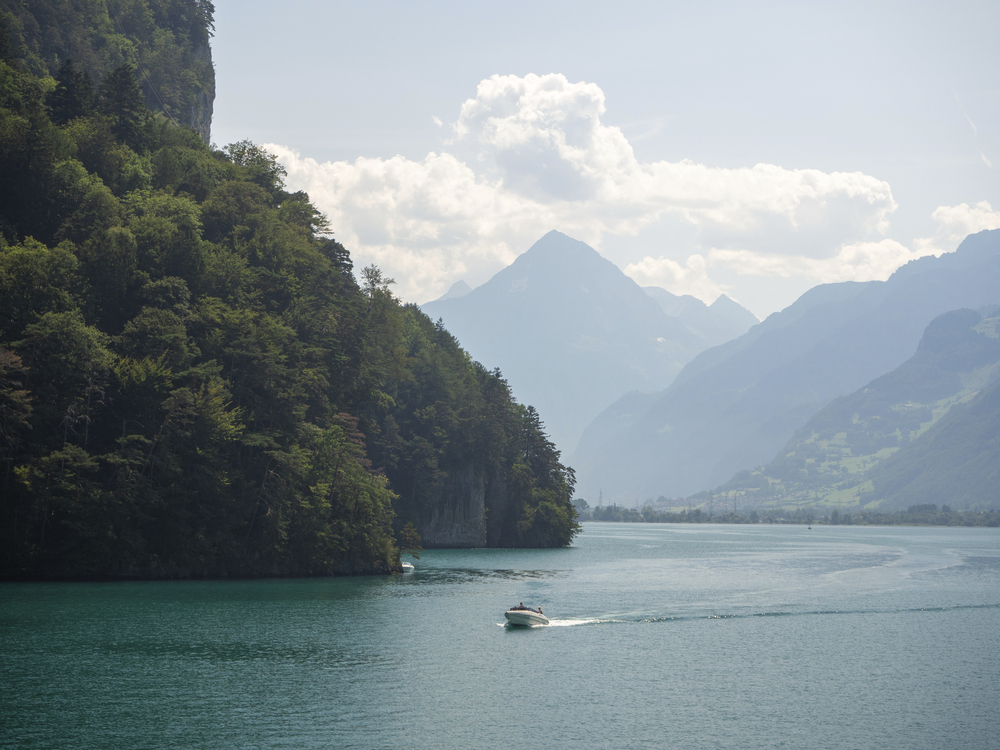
column 449, row 576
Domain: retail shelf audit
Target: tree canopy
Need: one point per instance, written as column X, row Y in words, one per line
column 193, row 382
column 166, row 42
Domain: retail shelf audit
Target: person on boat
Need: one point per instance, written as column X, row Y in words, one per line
column 539, row 610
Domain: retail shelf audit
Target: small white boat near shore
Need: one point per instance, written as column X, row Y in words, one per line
column 408, row 567
column 525, row 616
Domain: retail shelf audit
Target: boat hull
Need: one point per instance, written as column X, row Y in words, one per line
column 525, row 617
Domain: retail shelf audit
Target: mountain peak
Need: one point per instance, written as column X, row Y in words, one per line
column 456, row 290
column 733, row 310
column 570, row 331
column 556, row 246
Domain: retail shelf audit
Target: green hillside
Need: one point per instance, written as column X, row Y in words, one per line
column 957, row 460
column 192, row 381
column 834, row 459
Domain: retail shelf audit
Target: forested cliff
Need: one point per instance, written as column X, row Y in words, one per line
column 165, row 41
column 194, row 383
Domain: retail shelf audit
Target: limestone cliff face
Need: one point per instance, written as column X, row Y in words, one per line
column 459, row 519
column 169, row 51
column 471, row 512
column 200, row 116
column 194, row 104
column 497, row 500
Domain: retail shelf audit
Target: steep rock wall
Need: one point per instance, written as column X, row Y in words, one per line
column 200, row 116
column 497, row 500
column 459, row 518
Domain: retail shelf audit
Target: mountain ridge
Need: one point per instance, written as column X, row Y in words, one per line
column 834, row 457
column 734, row 406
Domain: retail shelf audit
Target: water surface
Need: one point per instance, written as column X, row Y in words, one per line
column 680, row 636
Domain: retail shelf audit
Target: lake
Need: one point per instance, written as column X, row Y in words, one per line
column 679, row 636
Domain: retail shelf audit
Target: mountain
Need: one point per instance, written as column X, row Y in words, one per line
column 957, row 460
column 834, row 458
column 456, row 290
column 717, row 323
column 734, row 406
column 570, row 332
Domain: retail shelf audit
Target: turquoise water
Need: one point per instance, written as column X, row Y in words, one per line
column 662, row 636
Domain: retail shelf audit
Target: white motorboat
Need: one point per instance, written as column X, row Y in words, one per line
column 408, row 567
column 525, row 616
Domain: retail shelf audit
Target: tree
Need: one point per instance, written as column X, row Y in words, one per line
column 73, row 96
column 409, row 540
column 120, row 100
column 261, row 166
column 8, row 51
column 15, row 410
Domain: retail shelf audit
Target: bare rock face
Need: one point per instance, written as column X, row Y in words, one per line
column 496, row 505
column 200, row 117
column 459, row 519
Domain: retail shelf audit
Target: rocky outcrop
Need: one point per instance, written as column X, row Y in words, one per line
column 459, row 519
column 472, row 512
column 497, row 501
column 200, row 117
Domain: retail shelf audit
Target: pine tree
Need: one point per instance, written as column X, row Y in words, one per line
column 73, row 96
column 121, row 101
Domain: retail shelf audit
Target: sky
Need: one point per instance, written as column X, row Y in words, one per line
column 748, row 149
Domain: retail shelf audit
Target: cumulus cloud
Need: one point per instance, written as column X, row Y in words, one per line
column 529, row 154
column 542, row 136
column 955, row 223
column 858, row 261
column 691, row 278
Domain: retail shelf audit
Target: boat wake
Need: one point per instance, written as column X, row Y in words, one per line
column 565, row 623
column 571, row 622
column 636, row 619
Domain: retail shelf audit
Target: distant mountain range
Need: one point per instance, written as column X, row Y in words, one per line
column 715, row 324
column 736, row 405
column 572, row 333
column 902, row 439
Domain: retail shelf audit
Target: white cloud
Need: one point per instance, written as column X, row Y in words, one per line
column 691, row 278
column 532, row 154
column 858, row 261
column 955, row 223
column 543, row 137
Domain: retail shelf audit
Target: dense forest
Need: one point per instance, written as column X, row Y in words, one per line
column 193, row 382
column 165, row 41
